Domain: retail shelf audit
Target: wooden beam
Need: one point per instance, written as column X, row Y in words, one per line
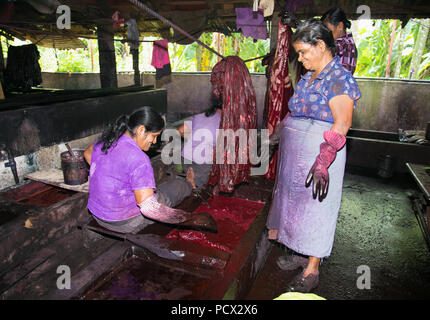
column 1, row 71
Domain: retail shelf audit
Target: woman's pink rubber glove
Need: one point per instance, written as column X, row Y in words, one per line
column 319, row 171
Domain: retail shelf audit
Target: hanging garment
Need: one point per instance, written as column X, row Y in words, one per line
column 23, row 69
column 162, row 72
column 160, row 59
column 160, row 54
column 251, row 23
column 132, row 33
column 267, row 6
column 231, row 80
column 281, row 88
column 117, row 21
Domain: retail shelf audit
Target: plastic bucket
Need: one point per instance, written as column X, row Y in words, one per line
column 75, row 169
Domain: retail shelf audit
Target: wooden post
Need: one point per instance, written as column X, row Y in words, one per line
column 1, row 92
column 2, row 64
column 1, row 71
column 107, row 62
column 134, row 48
column 135, row 54
column 274, row 30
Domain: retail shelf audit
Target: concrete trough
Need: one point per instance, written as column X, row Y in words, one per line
column 367, row 149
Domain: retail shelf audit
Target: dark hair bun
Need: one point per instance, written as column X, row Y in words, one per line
column 336, row 15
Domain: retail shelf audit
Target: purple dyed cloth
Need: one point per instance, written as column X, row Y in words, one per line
column 251, row 23
column 304, row 224
column 199, row 144
column 312, row 100
column 114, row 177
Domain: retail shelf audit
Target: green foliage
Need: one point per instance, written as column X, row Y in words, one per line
column 373, row 49
column 372, row 39
column 184, row 57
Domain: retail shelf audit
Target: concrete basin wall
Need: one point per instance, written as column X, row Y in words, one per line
column 386, row 104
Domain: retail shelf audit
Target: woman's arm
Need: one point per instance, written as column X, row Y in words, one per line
column 87, row 154
column 142, row 195
column 342, row 108
column 152, row 209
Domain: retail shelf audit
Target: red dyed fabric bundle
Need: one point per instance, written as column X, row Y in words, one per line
column 233, row 217
column 231, row 80
column 281, row 88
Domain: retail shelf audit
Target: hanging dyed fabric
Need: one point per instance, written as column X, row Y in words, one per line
column 267, row 7
column 160, row 59
column 231, row 81
column 22, row 69
column 251, row 23
column 281, row 88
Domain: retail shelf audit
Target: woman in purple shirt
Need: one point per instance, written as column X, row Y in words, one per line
column 311, row 149
column 121, row 180
column 335, row 20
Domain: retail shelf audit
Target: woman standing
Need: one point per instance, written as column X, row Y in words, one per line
column 122, row 187
column 335, row 20
column 311, row 149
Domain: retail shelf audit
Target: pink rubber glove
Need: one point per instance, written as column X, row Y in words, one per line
column 319, row 171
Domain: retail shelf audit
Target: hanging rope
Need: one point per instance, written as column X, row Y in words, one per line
column 155, row 14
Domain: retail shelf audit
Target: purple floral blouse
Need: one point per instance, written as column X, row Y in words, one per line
column 311, row 101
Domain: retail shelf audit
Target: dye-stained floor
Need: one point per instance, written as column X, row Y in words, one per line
column 377, row 231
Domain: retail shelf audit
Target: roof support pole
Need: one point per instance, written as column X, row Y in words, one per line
column 2, row 67
column 107, row 62
column 135, row 54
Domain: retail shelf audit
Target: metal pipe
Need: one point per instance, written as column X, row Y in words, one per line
column 11, row 163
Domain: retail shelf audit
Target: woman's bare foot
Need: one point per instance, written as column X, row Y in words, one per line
column 312, row 267
column 190, row 177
